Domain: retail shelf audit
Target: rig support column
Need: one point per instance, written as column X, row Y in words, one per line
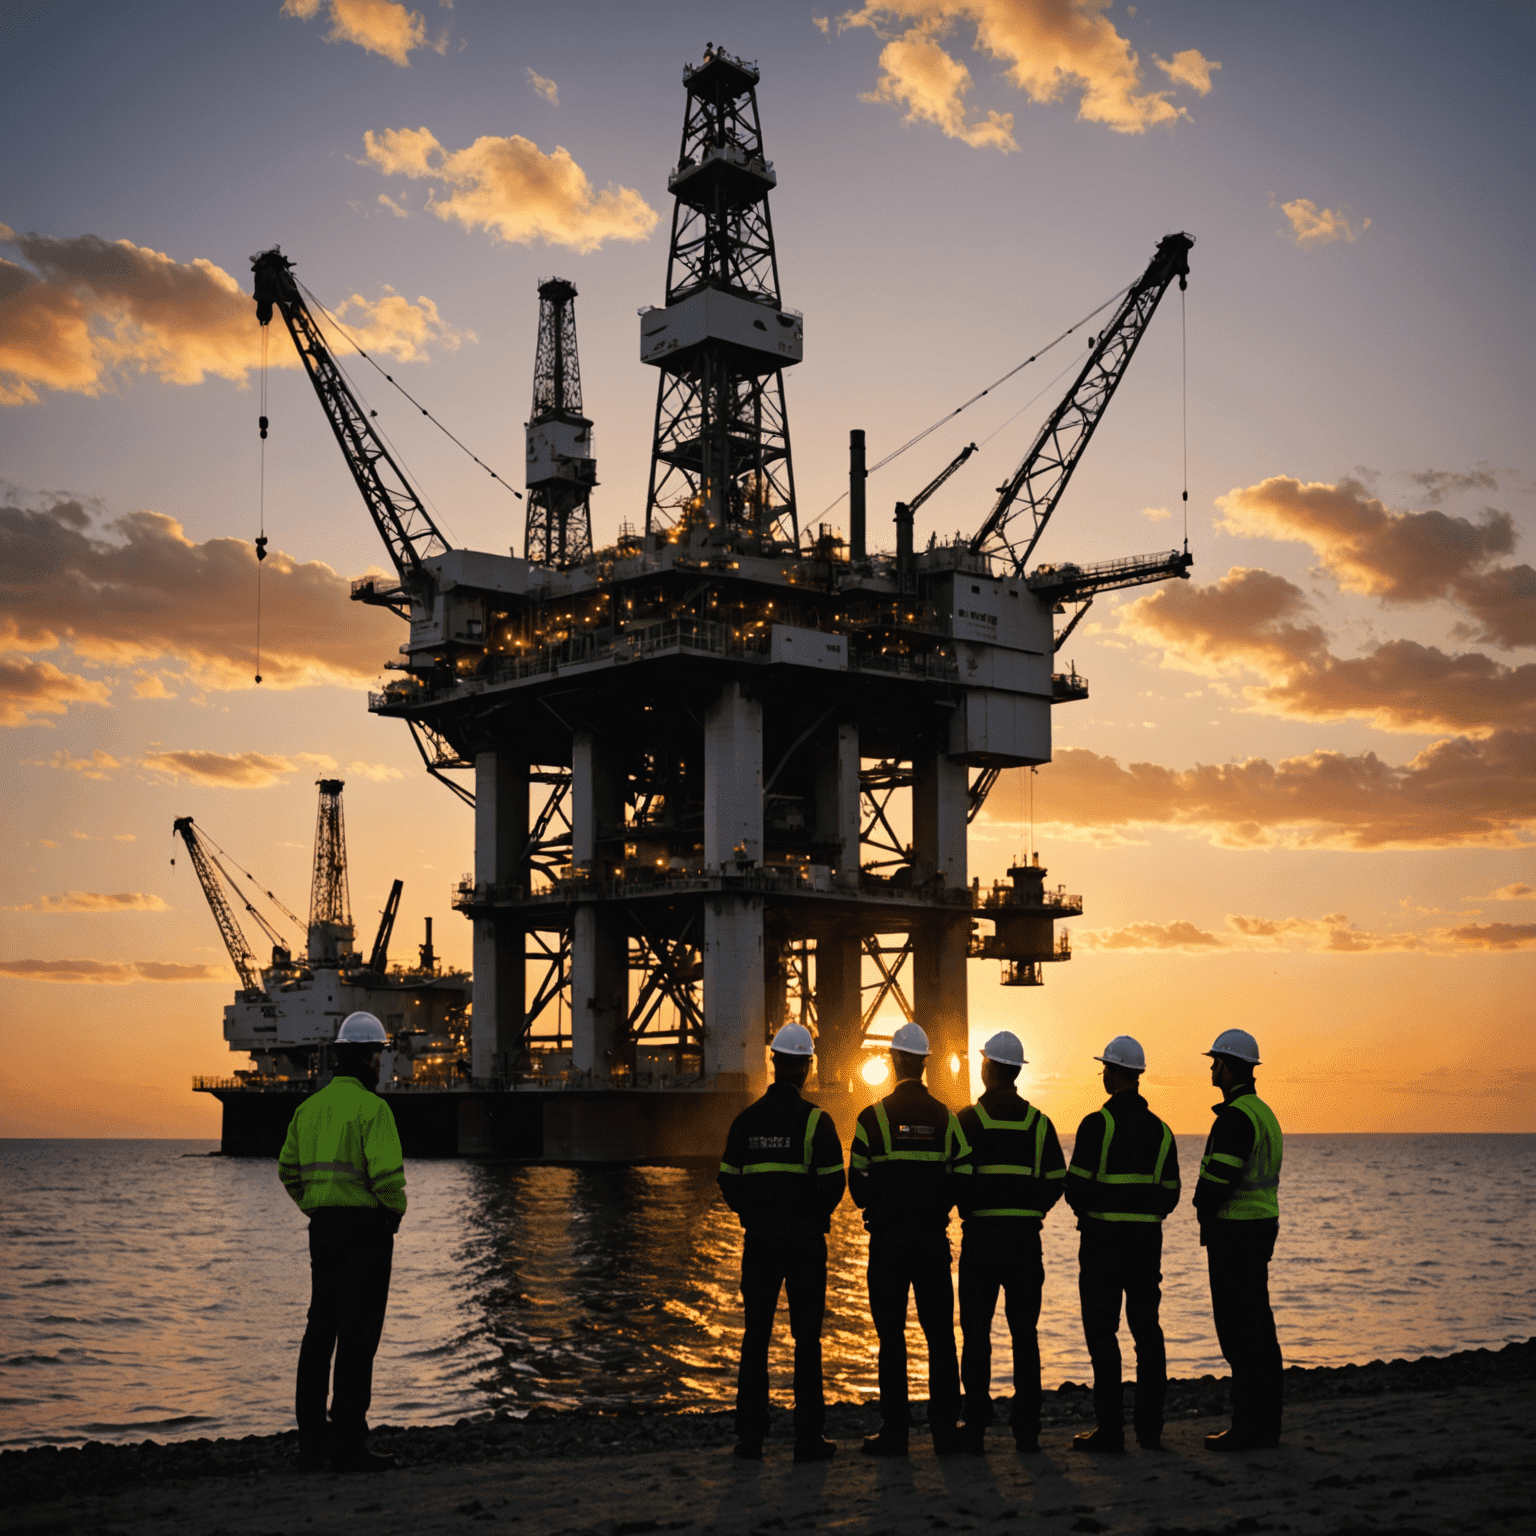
column 599, row 946
column 839, row 1008
column 735, row 1001
column 939, row 805
column 837, row 799
column 501, row 839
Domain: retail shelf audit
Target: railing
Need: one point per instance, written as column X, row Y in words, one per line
column 1007, row 897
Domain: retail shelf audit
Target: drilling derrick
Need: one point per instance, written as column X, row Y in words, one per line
column 720, row 464
column 561, row 469
column 330, row 904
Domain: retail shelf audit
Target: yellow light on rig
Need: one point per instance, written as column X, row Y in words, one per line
column 954, row 1062
column 875, row 1071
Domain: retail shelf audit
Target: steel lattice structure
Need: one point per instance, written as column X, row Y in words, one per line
column 330, row 900
column 721, row 452
column 561, row 469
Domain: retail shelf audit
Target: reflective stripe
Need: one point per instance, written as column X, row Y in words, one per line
column 1256, row 1197
column 1039, row 1215
column 1020, row 1168
column 729, row 1168
column 1121, row 1216
column 1004, row 1125
column 774, row 1168
column 812, row 1120
column 1155, row 1177
column 831, row 1168
column 1055, row 1173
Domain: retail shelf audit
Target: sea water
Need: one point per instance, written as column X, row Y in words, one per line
column 151, row 1290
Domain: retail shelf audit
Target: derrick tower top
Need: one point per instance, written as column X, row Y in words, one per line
column 720, row 464
column 330, row 903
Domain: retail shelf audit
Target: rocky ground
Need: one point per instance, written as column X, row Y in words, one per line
column 1433, row 1445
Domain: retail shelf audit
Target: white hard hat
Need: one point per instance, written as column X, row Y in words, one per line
column 1238, row 1043
column 1005, row 1048
column 911, row 1040
column 360, row 1029
column 793, row 1040
column 1125, row 1052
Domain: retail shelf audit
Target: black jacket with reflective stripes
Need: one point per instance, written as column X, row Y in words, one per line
column 901, row 1171
column 1125, row 1166
column 1015, row 1172
column 782, row 1172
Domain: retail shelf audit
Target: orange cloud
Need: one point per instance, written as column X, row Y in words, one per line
column 377, row 26
column 1332, row 934
column 1456, row 793
column 95, row 901
column 108, row 972
column 544, row 87
column 1311, row 225
column 99, row 765
column 149, row 593
column 233, row 770
column 1400, row 557
column 512, row 188
column 32, row 689
column 1050, row 48
column 84, row 311
column 1519, row 891
column 1494, row 935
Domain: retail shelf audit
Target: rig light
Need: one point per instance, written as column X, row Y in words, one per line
column 875, row 1071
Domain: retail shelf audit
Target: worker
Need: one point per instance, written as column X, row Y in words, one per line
column 1122, row 1181
column 902, row 1175
column 343, row 1166
column 782, row 1174
column 1014, row 1177
column 1237, row 1201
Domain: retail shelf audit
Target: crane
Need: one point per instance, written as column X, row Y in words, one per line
column 208, row 871
column 378, row 960
column 402, row 520
column 906, row 511
column 1038, row 483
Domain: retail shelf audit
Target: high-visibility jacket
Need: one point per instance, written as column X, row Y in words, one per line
column 901, row 1172
column 1015, row 1172
column 782, row 1172
column 1125, row 1165
column 1240, row 1172
column 342, row 1150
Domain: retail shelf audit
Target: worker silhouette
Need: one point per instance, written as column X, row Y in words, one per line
column 343, row 1166
column 1237, row 1199
column 1014, row 1176
column 1122, row 1181
column 782, row 1174
column 902, row 1175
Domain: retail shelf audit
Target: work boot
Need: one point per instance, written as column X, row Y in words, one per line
column 1026, row 1445
column 314, row 1452
column 1099, row 1439
column 360, row 1459
column 1234, row 1440
column 887, row 1443
column 815, row 1450
column 1149, row 1439
column 748, row 1450
column 949, row 1442
column 975, row 1439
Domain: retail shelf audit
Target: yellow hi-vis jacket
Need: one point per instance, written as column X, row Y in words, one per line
column 342, row 1149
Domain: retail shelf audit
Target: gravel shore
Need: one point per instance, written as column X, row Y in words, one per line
column 1445, row 1444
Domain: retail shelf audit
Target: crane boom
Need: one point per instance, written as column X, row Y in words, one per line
column 378, row 960
column 397, row 511
column 1039, row 481
column 941, row 477
column 229, row 930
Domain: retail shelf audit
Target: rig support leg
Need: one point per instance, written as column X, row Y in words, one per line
column 501, row 839
column 837, row 799
column 839, row 1009
column 599, row 945
column 939, row 805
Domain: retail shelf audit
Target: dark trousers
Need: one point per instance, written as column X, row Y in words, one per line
column 349, row 1261
column 1118, row 1259
column 1238, row 1262
column 1001, row 1253
column 799, row 1267
column 898, row 1264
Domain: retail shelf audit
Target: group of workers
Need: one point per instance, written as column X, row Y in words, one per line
column 1000, row 1163
column 913, row 1161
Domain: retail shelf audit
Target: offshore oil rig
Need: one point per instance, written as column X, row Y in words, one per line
column 723, row 769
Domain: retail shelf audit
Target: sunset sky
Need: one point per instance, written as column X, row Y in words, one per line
column 1300, row 796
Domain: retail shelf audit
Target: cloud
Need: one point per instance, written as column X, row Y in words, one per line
column 1437, row 484
column 99, row 765
column 1254, row 620
column 1311, row 225
column 822, row 24
column 1455, row 793
column 378, row 26
column 380, row 773
column 1333, row 934
column 545, row 88
column 109, row 972
column 1189, row 67
column 399, row 211
column 95, row 901
column 84, row 311
column 1493, row 935
column 510, row 187
column 32, row 689
column 1519, row 891
column 1049, row 49
column 147, row 593
column 234, row 770
column 1156, row 514
column 1400, row 557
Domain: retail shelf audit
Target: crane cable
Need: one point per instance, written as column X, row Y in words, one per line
column 389, row 378
column 292, row 917
column 949, row 416
column 261, row 516
column 1184, row 403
